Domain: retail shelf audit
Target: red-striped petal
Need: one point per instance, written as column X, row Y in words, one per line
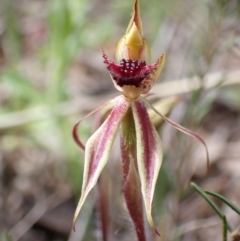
column 131, row 185
column 98, row 149
column 149, row 155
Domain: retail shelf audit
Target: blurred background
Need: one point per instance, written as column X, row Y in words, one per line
column 52, row 73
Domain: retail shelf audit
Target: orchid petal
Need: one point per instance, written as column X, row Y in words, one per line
column 127, row 141
column 182, row 129
column 149, row 155
column 133, row 197
column 149, row 81
column 164, row 106
column 131, row 186
column 98, row 149
column 75, row 127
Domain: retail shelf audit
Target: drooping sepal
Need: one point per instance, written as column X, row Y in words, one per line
column 75, row 127
column 149, row 155
column 164, row 106
column 133, row 197
column 180, row 128
column 131, row 181
column 98, row 149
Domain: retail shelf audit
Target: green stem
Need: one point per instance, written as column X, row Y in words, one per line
column 211, row 203
column 225, row 228
column 223, row 199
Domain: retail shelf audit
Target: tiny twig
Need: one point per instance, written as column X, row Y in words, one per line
column 187, row 85
column 195, row 225
column 34, row 215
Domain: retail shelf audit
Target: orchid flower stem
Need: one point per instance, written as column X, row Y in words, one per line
column 212, row 204
column 180, row 128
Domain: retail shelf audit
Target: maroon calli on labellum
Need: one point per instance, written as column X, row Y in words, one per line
column 141, row 147
column 130, row 72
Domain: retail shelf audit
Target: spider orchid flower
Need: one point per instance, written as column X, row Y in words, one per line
column 141, row 149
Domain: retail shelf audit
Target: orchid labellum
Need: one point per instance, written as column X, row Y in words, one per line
column 141, row 149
